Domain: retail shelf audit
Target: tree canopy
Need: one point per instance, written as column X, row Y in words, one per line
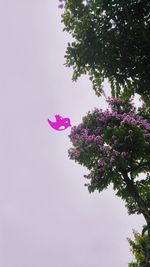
column 111, row 39
column 139, row 249
column 115, row 147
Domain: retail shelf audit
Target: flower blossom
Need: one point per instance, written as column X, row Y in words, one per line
column 108, row 142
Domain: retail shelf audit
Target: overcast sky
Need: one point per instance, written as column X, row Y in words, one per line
column 47, row 216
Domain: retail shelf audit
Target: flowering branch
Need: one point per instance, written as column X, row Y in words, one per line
column 114, row 144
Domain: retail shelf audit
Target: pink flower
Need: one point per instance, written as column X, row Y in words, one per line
column 147, row 134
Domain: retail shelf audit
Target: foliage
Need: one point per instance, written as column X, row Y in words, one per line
column 115, row 147
column 111, row 39
column 144, row 111
column 139, row 249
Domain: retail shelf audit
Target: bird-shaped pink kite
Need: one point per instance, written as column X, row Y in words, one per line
column 60, row 124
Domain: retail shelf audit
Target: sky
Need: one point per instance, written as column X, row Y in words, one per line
column 47, row 216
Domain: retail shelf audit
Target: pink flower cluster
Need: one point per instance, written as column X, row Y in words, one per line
column 109, row 139
column 62, row 4
column 121, row 106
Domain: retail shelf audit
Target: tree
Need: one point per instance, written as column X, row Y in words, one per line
column 139, row 249
column 114, row 145
column 111, row 39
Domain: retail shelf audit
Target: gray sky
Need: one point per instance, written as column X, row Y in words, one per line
column 47, row 216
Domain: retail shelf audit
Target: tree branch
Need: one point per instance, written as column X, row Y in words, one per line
column 132, row 190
